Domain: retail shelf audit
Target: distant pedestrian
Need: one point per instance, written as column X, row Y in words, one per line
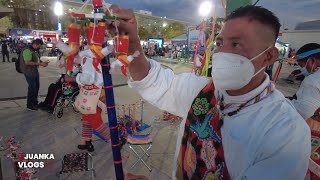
column 20, row 47
column 5, row 51
column 29, row 65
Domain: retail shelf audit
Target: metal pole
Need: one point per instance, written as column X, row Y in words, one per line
column 113, row 123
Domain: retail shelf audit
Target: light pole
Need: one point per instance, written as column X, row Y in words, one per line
column 204, row 11
column 58, row 11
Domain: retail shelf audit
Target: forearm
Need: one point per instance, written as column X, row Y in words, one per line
column 31, row 63
column 139, row 67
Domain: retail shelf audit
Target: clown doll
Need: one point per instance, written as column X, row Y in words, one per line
column 91, row 99
column 123, row 60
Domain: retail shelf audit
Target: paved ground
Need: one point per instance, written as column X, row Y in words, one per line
column 41, row 133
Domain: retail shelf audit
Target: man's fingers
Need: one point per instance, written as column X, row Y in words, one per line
column 122, row 26
column 125, row 14
column 112, row 31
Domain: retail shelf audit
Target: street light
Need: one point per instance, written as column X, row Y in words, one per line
column 58, row 11
column 205, row 8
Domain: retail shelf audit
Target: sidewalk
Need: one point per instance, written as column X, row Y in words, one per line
column 41, row 133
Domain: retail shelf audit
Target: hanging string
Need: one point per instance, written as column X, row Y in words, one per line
column 107, row 6
column 94, row 29
column 117, row 34
column 83, row 6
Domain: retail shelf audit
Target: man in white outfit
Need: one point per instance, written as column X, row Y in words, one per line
column 239, row 126
column 307, row 99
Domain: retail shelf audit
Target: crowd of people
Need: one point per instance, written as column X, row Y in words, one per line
column 169, row 51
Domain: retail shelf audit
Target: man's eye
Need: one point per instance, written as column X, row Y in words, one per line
column 234, row 44
column 218, row 44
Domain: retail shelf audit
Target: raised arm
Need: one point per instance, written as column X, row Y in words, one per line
column 140, row 66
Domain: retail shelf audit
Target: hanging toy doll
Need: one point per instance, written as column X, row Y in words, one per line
column 91, row 99
column 70, row 52
column 123, row 60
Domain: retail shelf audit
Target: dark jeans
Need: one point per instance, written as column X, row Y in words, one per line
column 33, row 89
column 5, row 53
column 54, row 92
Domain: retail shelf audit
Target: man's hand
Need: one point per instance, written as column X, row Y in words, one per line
column 127, row 24
column 44, row 64
column 129, row 176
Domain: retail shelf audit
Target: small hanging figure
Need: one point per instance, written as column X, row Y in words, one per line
column 123, row 60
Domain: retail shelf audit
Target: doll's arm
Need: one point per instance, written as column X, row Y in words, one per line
column 114, row 64
column 65, row 49
column 107, row 50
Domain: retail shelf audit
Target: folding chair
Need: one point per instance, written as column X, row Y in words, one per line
column 77, row 162
column 135, row 141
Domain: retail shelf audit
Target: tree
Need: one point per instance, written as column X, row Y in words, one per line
column 173, row 30
column 157, row 30
column 32, row 14
column 144, row 33
column 6, row 22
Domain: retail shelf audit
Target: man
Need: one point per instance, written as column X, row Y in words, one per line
column 5, row 51
column 20, row 47
column 29, row 64
column 308, row 96
column 262, row 135
column 307, row 99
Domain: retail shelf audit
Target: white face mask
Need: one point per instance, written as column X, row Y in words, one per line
column 232, row 71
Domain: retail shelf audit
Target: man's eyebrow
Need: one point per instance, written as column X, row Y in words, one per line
column 235, row 38
column 219, row 38
column 230, row 38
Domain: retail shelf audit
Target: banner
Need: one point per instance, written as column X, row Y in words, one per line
column 20, row 32
column 233, row 5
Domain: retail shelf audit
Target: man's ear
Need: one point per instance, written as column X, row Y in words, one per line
column 272, row 56
column 313, row 59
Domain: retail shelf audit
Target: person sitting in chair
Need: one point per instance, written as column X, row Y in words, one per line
column 53, row 90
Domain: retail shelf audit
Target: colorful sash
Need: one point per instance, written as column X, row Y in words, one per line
column 201, row 153
column 314, row 164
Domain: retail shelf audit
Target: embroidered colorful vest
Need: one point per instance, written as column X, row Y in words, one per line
column 201, row 153
column 314, row 164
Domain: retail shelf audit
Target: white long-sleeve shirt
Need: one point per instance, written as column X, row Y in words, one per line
column 267, row 141
column 308, row 95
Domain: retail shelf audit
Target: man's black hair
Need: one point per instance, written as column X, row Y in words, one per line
column 260, row 14
column 37, row 42
column 309, row 47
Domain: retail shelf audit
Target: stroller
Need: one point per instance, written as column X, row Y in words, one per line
column 69, row 93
